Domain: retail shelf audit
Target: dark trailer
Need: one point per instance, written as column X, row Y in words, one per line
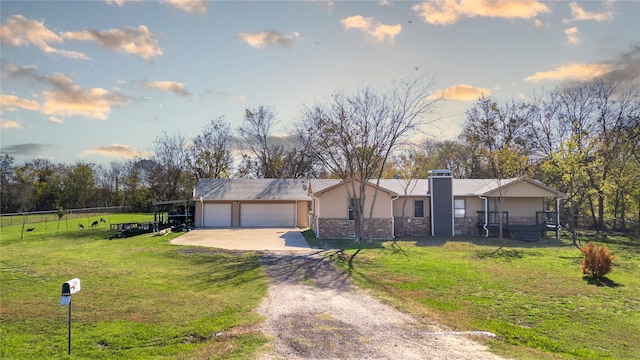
column 179, row 213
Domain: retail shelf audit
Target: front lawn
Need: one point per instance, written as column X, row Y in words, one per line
column 141, row 297
column 532, row 295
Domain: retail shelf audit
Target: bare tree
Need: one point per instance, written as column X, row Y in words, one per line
column 210, row 154
column 355, row 135
column 271, row 156
column 168, row 176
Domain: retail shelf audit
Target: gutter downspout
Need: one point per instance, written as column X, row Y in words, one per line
column 317, row 220
column 558, row 226
column 393, row 219
column 486, row 215
column 201, row 212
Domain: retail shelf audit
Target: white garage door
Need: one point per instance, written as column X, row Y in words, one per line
column 267, row 215
column 217, row 214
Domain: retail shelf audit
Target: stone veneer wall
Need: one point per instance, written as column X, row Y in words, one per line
column 467, row 226
column 417, row 226
column 340, row 228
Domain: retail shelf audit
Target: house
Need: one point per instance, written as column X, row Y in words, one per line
column 437, row 206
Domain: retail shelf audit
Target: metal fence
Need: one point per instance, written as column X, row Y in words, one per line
column 38, row 217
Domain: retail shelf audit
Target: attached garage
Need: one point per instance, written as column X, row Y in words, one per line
column 217, row 215
column 252, row 202
column 269, row 214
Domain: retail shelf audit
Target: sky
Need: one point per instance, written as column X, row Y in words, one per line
column 99, row 81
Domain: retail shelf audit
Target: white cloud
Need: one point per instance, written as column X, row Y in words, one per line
column 175, row 87
column 56, row 120
column 118, row 150
column 20, row 31
column 460, row 92
column 9, row 124
column 259, row 40
column 12, row 102
column 378, row 31
column 137, row 41
column 194, row 6
column 573, row 36
column 579, row 14
column 571, row 72
column 446, row 12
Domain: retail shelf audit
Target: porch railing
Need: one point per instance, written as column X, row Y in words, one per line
column 493, row 218
column 546, row 218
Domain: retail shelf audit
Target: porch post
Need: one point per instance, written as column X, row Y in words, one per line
column 558, row 218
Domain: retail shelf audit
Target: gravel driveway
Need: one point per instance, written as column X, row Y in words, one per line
column 313, row 311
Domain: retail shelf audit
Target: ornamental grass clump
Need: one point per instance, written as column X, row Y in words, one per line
column 597, row 261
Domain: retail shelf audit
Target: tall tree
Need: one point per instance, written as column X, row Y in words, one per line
column 270, row 156
column 210, row 155
column 168, row 175
column 356, row 134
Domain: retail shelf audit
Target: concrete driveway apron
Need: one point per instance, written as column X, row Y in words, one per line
column 255, row 239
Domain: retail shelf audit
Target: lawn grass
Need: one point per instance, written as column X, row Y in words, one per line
column 141, row 297
column 532, row 295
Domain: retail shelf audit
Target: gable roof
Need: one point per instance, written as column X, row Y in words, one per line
column 320, row 186
column 251, row 189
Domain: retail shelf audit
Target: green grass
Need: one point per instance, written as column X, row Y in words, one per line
column 532, row 295
column 141, row 297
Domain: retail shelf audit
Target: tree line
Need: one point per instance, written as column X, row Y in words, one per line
column 582, row 138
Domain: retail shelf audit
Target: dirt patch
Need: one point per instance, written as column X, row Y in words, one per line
column 313, row 311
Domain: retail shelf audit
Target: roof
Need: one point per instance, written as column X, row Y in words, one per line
column 300, row 189
column 251, row 189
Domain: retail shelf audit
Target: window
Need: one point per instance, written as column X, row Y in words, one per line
column 418, row 208
column 351, row 216
column 459, row 209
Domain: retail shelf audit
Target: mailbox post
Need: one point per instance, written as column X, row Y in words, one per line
column 69, row 288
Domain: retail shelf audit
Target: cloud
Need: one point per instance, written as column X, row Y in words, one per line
column 573, row 36
column 624, row 67
column 66, row 98
column 194, row 6
column 446, row 12
column 120, row 3
column 579, row 14
column 26, row 149
column 56, row 120
column 118, row 150
column 175, row 87
column 137, row 41
column 460, row 92
column 240, row 98
column 627, row 65
column 571, row 72
column 259, row 40
column 20, row 31
column 12, row 102
column 9, row 124
column 378, row 31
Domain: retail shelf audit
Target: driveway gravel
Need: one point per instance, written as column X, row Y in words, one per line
column 313, row 311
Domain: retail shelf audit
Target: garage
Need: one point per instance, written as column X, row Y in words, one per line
column 273, row 214
column 217, row 215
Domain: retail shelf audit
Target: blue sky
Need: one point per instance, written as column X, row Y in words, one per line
column 98, row 81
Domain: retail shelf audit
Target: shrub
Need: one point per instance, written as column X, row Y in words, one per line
column 597, row 261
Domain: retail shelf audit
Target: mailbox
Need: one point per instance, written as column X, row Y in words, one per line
column 69, row 288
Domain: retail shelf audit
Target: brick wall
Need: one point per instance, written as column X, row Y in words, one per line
column 417, row 226
column 467, row 226
column 341, row 228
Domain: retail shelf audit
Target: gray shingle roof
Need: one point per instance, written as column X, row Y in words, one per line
column 252, row 189
column 297, row 189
